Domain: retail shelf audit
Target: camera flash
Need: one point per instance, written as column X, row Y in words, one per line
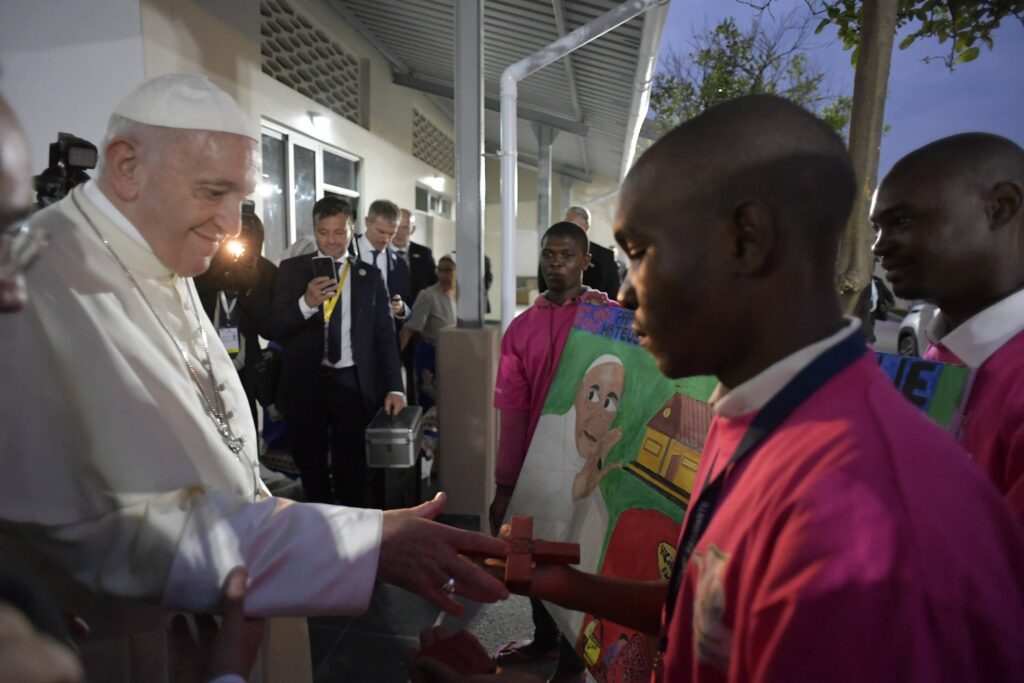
column 235, row 248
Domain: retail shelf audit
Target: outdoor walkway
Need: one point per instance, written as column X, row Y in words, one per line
column 372, row 648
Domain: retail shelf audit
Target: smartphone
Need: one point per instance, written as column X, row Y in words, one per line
column 323, row 266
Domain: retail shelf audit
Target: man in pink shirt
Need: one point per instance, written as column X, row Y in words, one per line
column 530, row 351
column 950, row 226
column 835, row 534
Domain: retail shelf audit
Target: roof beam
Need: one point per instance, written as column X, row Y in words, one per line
column 570, row 75
column 445, row 90
column 491, row 149
column 350, row 17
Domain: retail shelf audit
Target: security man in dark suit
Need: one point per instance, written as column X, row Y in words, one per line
column 603, row 273
column 422, row 274
column 235, row 293
column 340, row 361
column 420, row 259
column 373, row 247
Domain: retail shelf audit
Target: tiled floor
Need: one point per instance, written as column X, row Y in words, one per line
column 372, row 648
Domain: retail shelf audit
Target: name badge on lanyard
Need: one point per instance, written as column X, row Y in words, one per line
column 229, row 335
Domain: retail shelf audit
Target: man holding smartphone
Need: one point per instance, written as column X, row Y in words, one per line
column 332, row 315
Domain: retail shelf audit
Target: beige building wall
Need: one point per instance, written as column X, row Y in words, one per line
column 221, row 39
column 64, row 64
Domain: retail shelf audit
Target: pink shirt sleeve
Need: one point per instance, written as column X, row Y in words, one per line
column 512, row 386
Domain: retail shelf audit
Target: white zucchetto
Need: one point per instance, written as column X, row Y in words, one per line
column 187, row 101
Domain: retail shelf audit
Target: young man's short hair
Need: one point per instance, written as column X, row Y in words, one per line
column 570, row 230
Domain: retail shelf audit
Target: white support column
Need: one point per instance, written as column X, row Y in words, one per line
column 565, row 184
column 545, row 138
column 469, row 157
column 467, row 355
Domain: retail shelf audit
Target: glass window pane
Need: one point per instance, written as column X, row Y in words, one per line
column 304, row 190
column 275, row 202
column 422, row 201
column 340, row 171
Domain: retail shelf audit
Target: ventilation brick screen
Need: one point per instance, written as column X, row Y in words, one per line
column 430, row 144
column 306, row 60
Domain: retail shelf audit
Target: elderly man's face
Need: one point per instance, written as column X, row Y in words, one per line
column 190, row 196
column 380, row 231
column 15, row 206
column 406, row 227
column 579, row 220
column 597, row 404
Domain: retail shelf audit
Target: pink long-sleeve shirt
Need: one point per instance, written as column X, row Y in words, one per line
column 530, row 352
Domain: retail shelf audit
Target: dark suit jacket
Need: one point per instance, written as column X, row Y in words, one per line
column 422, row 269
column 398, row 273
column 603, row 273
column 374, row 346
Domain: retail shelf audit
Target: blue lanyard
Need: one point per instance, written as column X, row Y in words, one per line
column 807, row 381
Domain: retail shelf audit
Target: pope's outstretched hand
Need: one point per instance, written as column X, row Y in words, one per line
column 423, row 556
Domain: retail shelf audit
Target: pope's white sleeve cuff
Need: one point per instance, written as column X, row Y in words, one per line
column 303, row 559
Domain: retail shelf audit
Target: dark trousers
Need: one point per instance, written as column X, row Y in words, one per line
column 337, row 422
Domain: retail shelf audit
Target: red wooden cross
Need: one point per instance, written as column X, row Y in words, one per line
column 527, row 550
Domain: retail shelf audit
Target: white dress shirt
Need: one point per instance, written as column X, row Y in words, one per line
column 755, row 393
column 366, row 250
column 984, row 333
column 345, row 302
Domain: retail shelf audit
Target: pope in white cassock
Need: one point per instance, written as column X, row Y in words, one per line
column 130, row 480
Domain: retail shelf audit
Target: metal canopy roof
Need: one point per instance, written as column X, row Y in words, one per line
column 585, row 96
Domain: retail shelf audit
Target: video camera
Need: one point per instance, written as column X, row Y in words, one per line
column 70, row 156
column 234, row 267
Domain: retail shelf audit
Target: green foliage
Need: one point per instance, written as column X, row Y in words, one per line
column 726, row 62
column 962, row 24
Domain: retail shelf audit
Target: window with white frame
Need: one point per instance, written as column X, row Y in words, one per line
column 433, row 203
column 298, row 170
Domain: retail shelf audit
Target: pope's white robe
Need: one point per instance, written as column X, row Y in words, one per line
column 114, row 474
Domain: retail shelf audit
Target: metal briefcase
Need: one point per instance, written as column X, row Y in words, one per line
column 391, row 439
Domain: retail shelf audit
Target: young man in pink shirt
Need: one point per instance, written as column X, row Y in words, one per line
column 950, row 227
column 530, row 351
column 835, row 534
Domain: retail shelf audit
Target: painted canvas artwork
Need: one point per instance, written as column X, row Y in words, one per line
column 613, row 462
column 937, row 389
column 612, row 466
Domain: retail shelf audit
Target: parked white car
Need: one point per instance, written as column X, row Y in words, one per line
column 912, row 340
